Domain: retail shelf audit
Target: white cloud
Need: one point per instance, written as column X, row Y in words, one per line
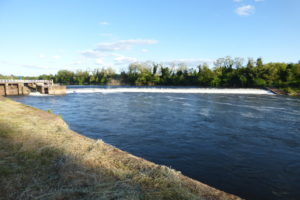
column 106, row 53
column 99, row 61
column 38, row 67
column 121, row 60
column 239, row 1
column 193, row 62
column 245, row 10
column 104, row 23
column 91, row 53
column 77, row 62
column 123, row 44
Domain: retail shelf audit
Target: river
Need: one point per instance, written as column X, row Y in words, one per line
column 244, row 144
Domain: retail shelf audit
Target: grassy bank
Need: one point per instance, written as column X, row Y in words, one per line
column 41, row 158
column 291, row 91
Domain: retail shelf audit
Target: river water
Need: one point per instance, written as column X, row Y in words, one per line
column 244, row 144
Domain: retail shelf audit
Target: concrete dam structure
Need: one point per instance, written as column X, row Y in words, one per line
column 25, row 87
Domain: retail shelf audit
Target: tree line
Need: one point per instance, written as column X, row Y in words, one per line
column 227, row 72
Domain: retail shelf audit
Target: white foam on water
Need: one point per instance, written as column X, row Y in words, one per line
column 170, row 90
column 204, row 112
column 37, row 94
column 187, row 104
column 249, row 115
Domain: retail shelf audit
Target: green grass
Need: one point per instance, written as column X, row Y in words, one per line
column 292, row 91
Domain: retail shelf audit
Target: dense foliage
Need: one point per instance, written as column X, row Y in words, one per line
column 227, row 72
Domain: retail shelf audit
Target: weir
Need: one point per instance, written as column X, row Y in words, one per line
column 25, row 87
column 173, row 90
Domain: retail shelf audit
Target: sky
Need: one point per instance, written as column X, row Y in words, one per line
column 44, row 36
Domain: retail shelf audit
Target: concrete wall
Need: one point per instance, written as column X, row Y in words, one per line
column 57, row 90
column 2, row 90
column 25, row 90
column 40, row 89
column 10, row 89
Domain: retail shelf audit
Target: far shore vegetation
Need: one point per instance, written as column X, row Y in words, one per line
column 227, row 72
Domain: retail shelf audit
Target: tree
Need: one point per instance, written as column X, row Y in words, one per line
column 165, row 76
column 65, row 77
column 205, row 75
column 227, row 72
column 250, row 63
column 259, row 63
column 82, row 77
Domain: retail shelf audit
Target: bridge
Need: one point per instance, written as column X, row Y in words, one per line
column 10, row 87
column 48, row 82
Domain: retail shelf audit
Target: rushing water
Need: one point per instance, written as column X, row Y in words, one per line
column 244, row 144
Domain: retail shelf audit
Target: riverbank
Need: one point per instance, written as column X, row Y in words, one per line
column 42, row 158
column 291, row 91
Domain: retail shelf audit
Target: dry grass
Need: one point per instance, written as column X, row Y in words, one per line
column 40, row 158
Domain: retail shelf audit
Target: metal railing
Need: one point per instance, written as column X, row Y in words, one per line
column 50, row 82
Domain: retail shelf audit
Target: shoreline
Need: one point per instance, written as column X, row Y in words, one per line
column 43, row 158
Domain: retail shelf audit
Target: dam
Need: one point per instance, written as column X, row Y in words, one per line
column 25, row 87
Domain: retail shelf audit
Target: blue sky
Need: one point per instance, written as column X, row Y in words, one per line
column 44, row 36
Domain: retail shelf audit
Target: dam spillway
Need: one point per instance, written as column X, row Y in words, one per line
column 172, row 90
column 24, row 87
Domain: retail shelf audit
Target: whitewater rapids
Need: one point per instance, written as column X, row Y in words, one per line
column 37, row 94
column 170, row 90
